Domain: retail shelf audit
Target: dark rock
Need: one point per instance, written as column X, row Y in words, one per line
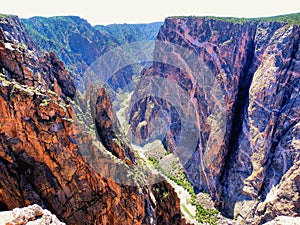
column 245, row 104
column 106, row 123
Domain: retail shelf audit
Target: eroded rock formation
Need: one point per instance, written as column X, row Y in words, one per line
column 44, row 150
column 105, row 121
column 31, row 215
column 242, row 81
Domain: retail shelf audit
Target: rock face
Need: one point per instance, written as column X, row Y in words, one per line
column 266, row 152
column 22, row 61
column 42, row 146
column 284, row 220
column 242, row 81
column 31, row 215
column 105, row 121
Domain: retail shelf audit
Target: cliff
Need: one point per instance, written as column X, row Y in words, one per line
column 105, row 121
column 46, row 157
column 223, row 94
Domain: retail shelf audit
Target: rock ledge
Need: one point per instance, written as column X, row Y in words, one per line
column 31, row 215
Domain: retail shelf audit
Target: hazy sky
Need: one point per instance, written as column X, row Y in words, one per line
column 140, row 11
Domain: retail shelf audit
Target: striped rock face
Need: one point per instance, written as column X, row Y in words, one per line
column 241, row 97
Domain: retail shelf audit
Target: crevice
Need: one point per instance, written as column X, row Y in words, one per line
column 239, row 108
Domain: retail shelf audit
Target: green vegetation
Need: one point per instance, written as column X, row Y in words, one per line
column 292, row 19
column 162, row 193
column 3, row 16
column 52, row 92
column 4, row 80
column 182, row 181
column 206, row 215
column 68, row 120
column 202, row 215
column 44, row 102
column 154, row 161
column 22, row 46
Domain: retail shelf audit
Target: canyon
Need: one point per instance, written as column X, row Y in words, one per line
column 220, row 95
column 242, row 80
column 43, row 146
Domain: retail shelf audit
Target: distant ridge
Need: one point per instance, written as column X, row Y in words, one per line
column 293, row 18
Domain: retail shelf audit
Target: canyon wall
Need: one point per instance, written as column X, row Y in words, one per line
column 44, row 151
column 221, row 94
column 241, row 79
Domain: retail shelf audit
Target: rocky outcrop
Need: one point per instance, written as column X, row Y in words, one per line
column 241, row 79
column 31, row 215
column 282, row 199
column 107, row 129
column 45, row 153
column 17, row 33
column 284, row 220
column 23, row 61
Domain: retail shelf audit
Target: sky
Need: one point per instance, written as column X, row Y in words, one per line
column 140, row 11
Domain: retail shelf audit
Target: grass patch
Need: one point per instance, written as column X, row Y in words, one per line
column 202, row 215
column 3, row 16
column 45, row 102
column 206, row 215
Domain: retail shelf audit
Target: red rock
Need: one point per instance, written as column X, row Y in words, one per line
column 42, row 147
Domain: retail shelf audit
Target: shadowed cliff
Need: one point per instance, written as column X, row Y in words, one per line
column 241, row 77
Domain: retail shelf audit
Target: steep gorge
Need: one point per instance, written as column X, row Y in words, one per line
column 221, row 94
column 241, row 79
column 44, row 151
